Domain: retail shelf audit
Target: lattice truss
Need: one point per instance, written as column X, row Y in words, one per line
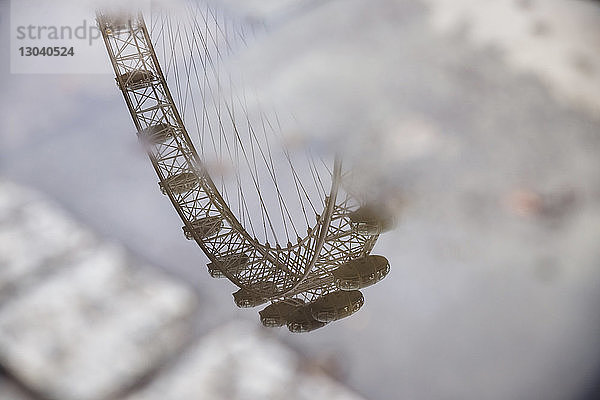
column 296, row 273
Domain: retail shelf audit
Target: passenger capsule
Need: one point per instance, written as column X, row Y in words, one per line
column 361, row 272
column 246, row 299
column 336, row 305
column 137, row 78
column 179, row 183
column 203, row 227
column 115, row 23
column 302, row 320
column 156, row 134
column 371, row 220
column 233, row 264
column 276, row 314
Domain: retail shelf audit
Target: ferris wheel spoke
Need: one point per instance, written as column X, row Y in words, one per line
column 221, row 217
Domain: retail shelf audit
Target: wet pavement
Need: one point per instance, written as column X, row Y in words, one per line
column 483, row 120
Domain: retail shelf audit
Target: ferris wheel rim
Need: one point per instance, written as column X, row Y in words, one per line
column 264, row 249
column 323, row 221
column 292, row 283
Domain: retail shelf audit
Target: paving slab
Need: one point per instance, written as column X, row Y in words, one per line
column 240, row 362
column 94, row 328
column 79, row 317
column 35, row 238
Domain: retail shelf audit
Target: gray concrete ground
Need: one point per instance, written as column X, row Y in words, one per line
column 482, row 115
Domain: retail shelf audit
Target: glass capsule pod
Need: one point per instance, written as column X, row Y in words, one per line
column 180, row 183
column 336, row 305
column 371, row 220
column 301, row 320
column 360, row 273
column 247, row 299
column 115, row 22
column 276, row 314
column 203, row 227
column 156, row 134
column 137, row 78
column 233, row 263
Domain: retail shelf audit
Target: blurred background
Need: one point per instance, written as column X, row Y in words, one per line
column 483, row 117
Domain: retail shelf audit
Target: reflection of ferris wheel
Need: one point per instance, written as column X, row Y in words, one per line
column 246, row 199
